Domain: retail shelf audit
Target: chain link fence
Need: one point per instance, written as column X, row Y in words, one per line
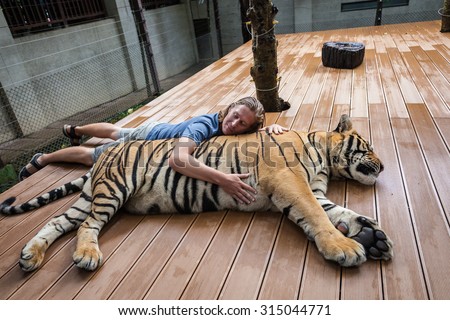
column 43, row 104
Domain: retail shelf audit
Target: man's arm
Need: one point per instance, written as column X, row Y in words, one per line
column 183, row 162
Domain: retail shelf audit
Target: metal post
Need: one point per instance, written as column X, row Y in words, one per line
column 218, row 29
column 378, row 14
column 136, row 7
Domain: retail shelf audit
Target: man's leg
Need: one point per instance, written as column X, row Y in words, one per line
column 79, row 154
column 99, row 130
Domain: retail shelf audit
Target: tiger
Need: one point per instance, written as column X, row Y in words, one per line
column 290, row 172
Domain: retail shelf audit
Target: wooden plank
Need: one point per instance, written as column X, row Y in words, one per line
column 200, row 103
column 443, row 50
column 397, row 32
column 144, row 272
column 392, row 92
column 136, row 122
column 403, row 275
column 338, row 111
column 298, row 67
column 433, row 232
column 304, row 117
column 423, row 38
column 315, row 87
column 296, row 98
column 317, row 271
column 405, row 82
column 12, row 277
column 15, row 227
column 173, row 279
column 430, row 35
column 176, row 98
column 343, row 92
column 219, row 258
column 247, row 273
column 433, row 101
column 442, row 65
column 321, row 278
column 62, row 262
column 73, row 284
column 359, row 105
column 375, row 93
column 365, row 282
column 284, row 272
column 326, row 98
column 435, row 151
column 443, row 125
column 440, row 83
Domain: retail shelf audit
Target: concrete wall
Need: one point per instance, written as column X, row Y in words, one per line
column 327, row 14
column 172, row 38
column 313, row 15
column 230, row 25
column 51, row 75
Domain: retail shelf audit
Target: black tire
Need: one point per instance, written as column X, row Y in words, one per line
column 342, row 55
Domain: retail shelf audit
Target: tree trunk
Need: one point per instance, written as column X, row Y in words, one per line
column 264, row 46
column 445, row 13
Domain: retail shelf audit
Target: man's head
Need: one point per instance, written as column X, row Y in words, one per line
column 243, row 116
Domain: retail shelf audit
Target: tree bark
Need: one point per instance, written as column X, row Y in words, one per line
column 445, row 13
column 264, row 46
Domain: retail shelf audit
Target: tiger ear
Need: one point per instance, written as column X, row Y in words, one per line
column 345, row 124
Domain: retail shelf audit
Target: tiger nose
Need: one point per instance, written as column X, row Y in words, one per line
column 381, row 167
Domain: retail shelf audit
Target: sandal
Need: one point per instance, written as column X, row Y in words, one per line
column 69, row 132
column 24, row 173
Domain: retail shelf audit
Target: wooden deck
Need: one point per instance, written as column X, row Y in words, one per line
column 399, row 97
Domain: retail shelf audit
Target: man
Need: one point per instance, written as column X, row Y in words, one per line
column 243, row 116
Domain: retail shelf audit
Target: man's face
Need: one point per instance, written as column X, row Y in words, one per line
column 238, row 120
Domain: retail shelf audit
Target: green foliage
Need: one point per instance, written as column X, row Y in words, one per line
column 7, row 174
column 123, row 114
column 8, row 177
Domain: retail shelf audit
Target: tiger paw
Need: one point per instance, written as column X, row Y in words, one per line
column 376, row 243
column 88, row 257
column 336, row 247
column 32, row 256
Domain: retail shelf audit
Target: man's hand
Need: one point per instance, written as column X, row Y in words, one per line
column 182, row 161
column 274, row 128
column 239, row 190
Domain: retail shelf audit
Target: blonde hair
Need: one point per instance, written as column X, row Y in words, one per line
column 254, row 105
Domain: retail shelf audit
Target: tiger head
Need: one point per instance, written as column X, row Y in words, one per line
column 351, row 156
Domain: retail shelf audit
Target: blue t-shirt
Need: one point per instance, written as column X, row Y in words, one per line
column 199, row 128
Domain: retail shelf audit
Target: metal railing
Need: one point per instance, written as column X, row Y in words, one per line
column 36, row 15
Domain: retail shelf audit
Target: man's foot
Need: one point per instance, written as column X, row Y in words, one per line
column 69, row 132
column 32, row 167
